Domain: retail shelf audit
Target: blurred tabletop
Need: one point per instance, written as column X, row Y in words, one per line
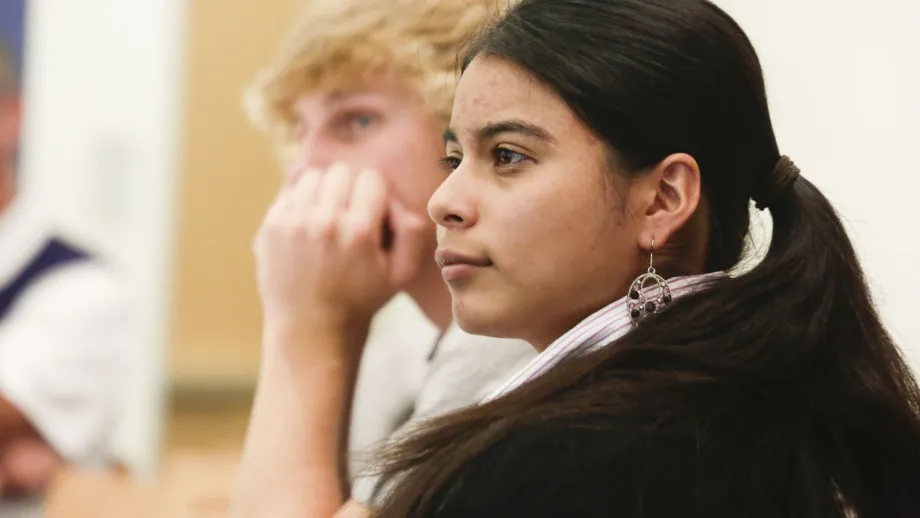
column 191, row 484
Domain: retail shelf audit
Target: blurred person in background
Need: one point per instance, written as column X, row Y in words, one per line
column 368, row 85
column 64, row 336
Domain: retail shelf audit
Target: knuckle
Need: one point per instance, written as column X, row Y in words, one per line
column 324, row 227
column 360, row 231
column 294, row 232
column 339, row 167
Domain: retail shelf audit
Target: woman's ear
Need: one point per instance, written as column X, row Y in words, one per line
column 674, row 190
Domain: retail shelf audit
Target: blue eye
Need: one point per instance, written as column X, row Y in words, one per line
column 353, row 125
column 362, row 120
column 504, row 157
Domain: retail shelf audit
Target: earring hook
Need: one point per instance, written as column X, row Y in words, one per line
column 651, row 257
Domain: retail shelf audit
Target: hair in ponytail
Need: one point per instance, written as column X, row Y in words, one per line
column 796, row 339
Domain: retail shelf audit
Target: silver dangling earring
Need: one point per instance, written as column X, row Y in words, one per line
column 641, row 304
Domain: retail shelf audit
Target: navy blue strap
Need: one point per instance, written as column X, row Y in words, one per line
column 55, row 254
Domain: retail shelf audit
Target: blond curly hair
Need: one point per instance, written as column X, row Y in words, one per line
column 342, row 44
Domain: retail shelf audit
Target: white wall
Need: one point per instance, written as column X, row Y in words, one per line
column 100, row 152
column 843, row 78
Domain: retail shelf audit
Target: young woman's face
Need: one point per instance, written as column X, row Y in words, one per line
column 382, row 126
column 530, row 202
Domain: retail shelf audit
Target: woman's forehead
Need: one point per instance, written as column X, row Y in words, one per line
column 490, row 84
column 492, row 90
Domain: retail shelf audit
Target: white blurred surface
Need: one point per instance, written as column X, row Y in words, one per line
column 100, row 150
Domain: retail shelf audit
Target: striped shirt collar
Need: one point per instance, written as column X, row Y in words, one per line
column 602, row 328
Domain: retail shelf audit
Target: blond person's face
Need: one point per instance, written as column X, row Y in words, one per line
column 382, row 126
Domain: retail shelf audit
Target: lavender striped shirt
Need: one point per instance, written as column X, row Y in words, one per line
column 600, row 329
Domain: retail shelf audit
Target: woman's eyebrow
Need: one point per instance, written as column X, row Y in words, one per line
column 507, row 126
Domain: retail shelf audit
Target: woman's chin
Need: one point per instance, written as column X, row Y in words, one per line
column 481, row 319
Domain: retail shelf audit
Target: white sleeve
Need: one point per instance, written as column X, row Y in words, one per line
column 66, row 349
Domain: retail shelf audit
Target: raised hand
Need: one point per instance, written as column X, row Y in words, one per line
column 320, row 251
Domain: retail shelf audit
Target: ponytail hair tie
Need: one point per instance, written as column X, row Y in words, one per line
column 778, row 183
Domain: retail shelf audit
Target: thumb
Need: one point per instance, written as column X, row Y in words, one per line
column 409, row 235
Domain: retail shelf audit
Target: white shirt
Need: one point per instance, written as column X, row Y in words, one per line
column 461, row 370
column 604, row 327
column 65, row 346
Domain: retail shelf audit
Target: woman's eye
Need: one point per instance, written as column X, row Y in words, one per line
column 507, row 157
column 451, row 163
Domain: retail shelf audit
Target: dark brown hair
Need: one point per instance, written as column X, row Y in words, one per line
column 794, row 344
